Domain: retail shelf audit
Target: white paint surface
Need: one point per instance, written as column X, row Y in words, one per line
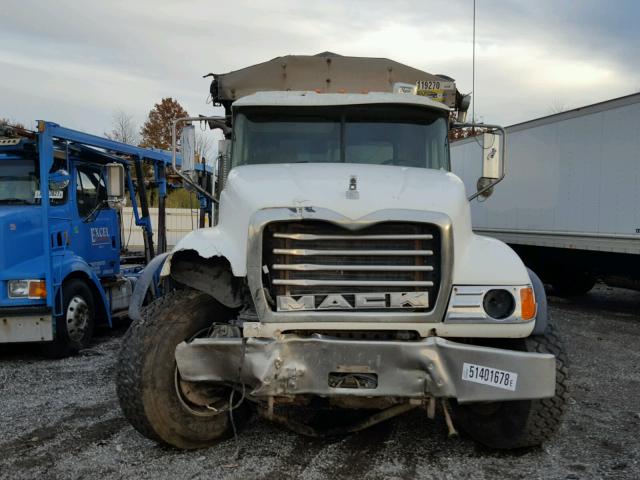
column 477, row 260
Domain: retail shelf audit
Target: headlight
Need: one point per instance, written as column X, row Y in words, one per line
column 27, row 289
column 18, row 288
column 499, row 303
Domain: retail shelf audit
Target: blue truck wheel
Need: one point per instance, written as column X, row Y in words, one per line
column 74, row 328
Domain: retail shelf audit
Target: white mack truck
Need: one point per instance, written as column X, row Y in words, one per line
column 342, row 272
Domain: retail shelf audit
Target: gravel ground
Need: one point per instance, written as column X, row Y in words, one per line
column 60, row 419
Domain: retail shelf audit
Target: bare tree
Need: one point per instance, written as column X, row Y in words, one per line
column 12, row 123
column 123, row 128
column 203, row 147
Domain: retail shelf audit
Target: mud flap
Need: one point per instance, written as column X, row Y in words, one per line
column 149, row 275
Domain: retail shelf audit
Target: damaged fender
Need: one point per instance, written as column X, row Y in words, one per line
column 212, row 276
column 214, row 242
column 208, row 260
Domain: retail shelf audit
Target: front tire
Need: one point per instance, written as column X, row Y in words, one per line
column 522, row 423
column 74, row 328
column 152, row 395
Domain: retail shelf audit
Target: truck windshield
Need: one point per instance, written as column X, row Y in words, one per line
column 375, row 134
column 20, row 183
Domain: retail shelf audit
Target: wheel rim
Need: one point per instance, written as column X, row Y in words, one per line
column 200, row 398
column 204, row 399
column 78, row 317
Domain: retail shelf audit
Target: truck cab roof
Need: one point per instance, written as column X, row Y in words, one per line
column 314, row 99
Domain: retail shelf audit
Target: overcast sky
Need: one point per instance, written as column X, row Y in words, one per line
column 77, row 62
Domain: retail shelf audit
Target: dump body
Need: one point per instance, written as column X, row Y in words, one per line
column 331, row 73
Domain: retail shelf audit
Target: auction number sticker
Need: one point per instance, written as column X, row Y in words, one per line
column 53, row 194
column 489, row 376
column 433, row 85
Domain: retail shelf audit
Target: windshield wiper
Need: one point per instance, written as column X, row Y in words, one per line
column 19, row 201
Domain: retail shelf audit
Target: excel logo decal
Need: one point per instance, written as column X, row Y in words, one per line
column 100, row 235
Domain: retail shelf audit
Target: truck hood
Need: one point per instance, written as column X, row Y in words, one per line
column 326, row 185
column 305, row 187
column 20, row 235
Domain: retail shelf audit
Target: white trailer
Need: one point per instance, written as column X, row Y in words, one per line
column 569, row 205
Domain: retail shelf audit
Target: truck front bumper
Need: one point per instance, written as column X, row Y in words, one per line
column 432, row 367
column 25, row 324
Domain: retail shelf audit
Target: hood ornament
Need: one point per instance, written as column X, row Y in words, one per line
column 352, row 190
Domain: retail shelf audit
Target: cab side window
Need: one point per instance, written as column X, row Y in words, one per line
column 91, row 192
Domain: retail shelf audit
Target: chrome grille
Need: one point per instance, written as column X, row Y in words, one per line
column 318, row 257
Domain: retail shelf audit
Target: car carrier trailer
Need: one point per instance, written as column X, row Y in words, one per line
column 62, row 269
column 569, row 206
column 342, row 272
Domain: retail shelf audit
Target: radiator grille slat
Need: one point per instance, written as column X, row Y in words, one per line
column 315, row 257
column 311, row 267
column 311, row 236
column 307, row 252
column 352, row 283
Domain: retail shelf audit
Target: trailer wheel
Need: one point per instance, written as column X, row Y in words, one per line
column 572, row 284
column 152, row 395
column 523, row 423
column 74, row 328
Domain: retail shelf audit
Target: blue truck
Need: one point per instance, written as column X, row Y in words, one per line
column 62, row 267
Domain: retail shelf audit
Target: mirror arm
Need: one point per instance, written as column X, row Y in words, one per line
column 221, row 123
column 503, row 141
column 185, row 178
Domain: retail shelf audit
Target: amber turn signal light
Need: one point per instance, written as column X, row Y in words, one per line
column 37, row 289
column 528, row 303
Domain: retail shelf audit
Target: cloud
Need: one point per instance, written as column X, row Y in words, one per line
column 76, row 62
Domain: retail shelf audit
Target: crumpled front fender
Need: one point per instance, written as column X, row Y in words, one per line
column 213, row 242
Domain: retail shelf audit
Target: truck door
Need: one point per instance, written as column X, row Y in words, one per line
column 96, row 230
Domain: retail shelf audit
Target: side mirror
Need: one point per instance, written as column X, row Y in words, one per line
column 188, row 148
column 492, row 167
column 59, row 180
column 491, row 156
column 115, row 183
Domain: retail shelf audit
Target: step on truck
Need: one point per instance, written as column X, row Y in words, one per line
column 64, row 268
column 342, row 273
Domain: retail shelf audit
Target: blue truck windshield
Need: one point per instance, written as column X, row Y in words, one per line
column 20, row 183
column 375, row 134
